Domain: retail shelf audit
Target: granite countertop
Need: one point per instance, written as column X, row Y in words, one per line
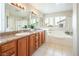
column 7, row 38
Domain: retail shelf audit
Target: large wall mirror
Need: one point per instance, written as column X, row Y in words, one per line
column 15, row 19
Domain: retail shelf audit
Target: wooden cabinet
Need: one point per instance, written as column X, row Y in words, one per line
column 31, row 44
column 8, row 49
column 23, row 46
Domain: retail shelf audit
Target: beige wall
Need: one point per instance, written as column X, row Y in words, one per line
column 75, row 23
column 68, row 25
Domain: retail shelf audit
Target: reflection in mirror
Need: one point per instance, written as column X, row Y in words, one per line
column 34, row 21
column 16, row 18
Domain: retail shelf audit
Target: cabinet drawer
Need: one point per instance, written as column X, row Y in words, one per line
column 11, row 52
column 7, row 46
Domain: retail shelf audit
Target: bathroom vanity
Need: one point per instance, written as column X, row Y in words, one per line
column 21, row 44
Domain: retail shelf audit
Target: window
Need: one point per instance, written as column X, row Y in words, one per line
column 33, row 21
column 58, row 19
column 46, row 21
column 49, row 21
column 21, row 23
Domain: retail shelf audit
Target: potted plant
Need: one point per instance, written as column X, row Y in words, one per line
column 25, row 26
column 32, row 27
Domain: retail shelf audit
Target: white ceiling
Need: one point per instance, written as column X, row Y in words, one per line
column 52, row 7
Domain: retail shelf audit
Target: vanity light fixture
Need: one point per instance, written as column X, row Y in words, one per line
column 17, row 5
column 34, row 13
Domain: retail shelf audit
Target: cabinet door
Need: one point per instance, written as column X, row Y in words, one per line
column 8, row 46
column 8, row 49
column 11, row 52
column 27, row 45
column 22, row 47
column 42, row 37
column 31, row 44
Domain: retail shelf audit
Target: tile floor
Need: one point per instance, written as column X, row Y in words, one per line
column 55, row 47
column 53, row 50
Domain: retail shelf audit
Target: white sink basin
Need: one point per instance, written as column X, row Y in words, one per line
column 26, row 33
